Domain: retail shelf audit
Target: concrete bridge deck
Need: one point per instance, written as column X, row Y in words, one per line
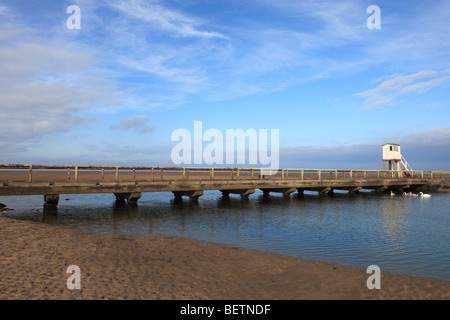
column 128, row 183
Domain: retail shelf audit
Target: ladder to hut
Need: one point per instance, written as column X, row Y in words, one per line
column 405, row 166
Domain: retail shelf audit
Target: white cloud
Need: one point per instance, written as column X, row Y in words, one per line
column 7, row 17
column 335, row 21
column 161, row 67
column 164, row 18
column 387, row 91
column 4, row 11
column 425, row 85
column 139, row 123
column 46, row 88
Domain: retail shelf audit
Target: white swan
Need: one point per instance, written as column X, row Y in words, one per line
column 424, row 194
column 392, row 193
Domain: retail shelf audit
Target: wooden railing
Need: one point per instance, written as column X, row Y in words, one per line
column 75, row 174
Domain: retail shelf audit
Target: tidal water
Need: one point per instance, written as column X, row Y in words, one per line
column 402, row 234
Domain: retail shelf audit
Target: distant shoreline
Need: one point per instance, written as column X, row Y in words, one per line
column 35, row 257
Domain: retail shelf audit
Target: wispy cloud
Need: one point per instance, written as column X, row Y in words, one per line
column 192, row 55
column 161, row 66
column 8, row 17
column 335, row 21
column 139, row 123
column 163, row 18
column 387, row 91
column 4, row 11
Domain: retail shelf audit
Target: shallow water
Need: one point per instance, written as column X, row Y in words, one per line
column 408, row 235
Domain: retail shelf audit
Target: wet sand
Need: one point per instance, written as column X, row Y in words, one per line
column 34, row 258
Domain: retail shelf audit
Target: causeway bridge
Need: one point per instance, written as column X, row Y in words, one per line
column 128, row 183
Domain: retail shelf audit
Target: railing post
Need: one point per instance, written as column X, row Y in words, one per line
column 319, row 174
column 30, row 173
column 302, row 174
column 211, row 174
column 260, row 174
column 351, row 174
column 68, row 174
column 117, row 173
column 184, row 173
column 103, row 173
column 252, row 174
column 282, row 174
column 153, row 174
column 237, row 173
column 134, row 174
column 335, row 175
column 161, row 173
column 421, row 175
column 76, row 174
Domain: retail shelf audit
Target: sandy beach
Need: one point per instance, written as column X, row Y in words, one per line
column 35, row 257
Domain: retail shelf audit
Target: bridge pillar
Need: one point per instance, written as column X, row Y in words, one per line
column 193, row 195
column 245, row 193
column 51, row 199
column 381, row 189
column 323, row 190
column 225, row 194
column 285, row 191
column 131, row 197
column 355, row 190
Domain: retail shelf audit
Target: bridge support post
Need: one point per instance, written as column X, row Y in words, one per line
column 355, row 190
column 193, row 195
column 381, row 189
column 285, row 191
column 51, row 199
column 131, row 197
column 323, row 190
column 225, row 194
column 245, row 193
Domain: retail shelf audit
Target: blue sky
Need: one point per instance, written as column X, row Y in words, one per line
column 113, row 91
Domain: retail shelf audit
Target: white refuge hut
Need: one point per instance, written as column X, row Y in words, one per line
column 393, row 156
